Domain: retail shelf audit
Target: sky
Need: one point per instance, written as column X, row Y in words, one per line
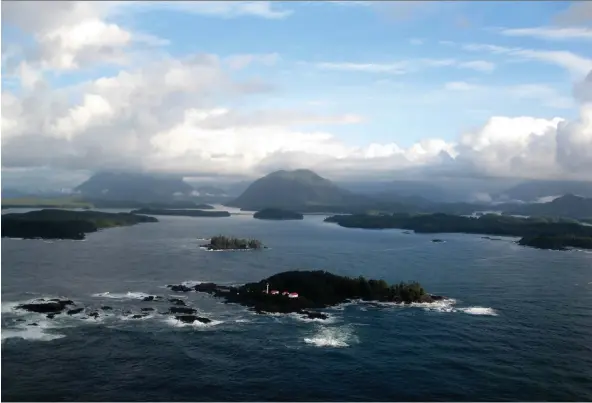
column 355, row 89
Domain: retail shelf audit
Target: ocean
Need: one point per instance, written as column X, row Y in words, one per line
column 517, row 324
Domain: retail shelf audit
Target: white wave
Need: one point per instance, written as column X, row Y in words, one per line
column 196, row 324
column 9, row 306
column 303, row 318
column 130, row 317
column 36, row 333
column 337, row 337
column 478, row 310
column 128, row 295
column 242, row 320
column 191, row 283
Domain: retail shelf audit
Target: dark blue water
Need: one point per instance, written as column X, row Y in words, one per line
column 519, row 328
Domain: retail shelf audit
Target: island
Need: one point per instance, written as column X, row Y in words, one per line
column 181, row 213
column 204, row 207
column 535, row 231
column 302, row 290
column 277, row 214
column 64, row 224
column 557, row 242
column 221, row 242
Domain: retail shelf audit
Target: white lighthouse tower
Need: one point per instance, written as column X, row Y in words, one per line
column 267, row 289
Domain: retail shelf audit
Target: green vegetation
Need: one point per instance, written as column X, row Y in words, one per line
column 221, row 242
column 277, row 214
column 64, row 224
column 182, row 213
column 31, row 202
column 557, row 242
column 488, row 224
column 316, row 289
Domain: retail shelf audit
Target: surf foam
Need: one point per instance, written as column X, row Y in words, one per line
column 336, row 337
column 478, row 310
column 128, row 295
column 32, row 333
column 171, row 321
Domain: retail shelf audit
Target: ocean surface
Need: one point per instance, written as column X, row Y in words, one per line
column 517, row 324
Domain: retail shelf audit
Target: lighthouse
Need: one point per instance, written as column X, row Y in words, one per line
column 267, row 288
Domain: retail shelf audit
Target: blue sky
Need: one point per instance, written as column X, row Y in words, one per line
column 392, row 105
column 395, row 72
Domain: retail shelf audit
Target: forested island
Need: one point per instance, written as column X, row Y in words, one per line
column 297, row 291
column 221, row 242
column 536, row 231
column 557, row 242
column 181, row 213
column 277, row 214
column 64, row 224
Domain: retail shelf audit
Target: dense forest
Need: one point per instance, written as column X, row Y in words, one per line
column 64, row 224
column 277, row 214
column 557, row 242
column 221, row 242
column 488, row 224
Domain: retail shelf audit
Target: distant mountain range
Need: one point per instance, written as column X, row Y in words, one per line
column 564, row 206
column 294, row 189
column 133, row 186
column 305, row 191
column 532, row 191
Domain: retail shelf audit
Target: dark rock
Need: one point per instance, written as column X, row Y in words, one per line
column 140, row 316
column 184, row 310
column 20, row 320
column 147, row 309
column 148, row 298
column 314, row 315
column 94, row 314
column 437, row 240
column 177, row 301
column 206, row 287
column 75, row 311
column 180, row 288
column 106, row 308
column 437, row 297
column 33, row 324
column 52, row 315
column 46, row 307
column 192, row 318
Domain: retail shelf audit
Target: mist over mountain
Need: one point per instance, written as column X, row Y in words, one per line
column 532, row 191
column 133, row 186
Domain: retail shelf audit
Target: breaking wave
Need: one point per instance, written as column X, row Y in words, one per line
column 128, row 295
column 336, row 337
column 171, row 321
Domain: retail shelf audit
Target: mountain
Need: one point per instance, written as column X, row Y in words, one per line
column 294, row 190
column 570, row 206
column 532, row 191
column 133, row 186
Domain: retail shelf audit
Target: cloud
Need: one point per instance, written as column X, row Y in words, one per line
column 576, row 64
column 406, row 66
column 197, row 115
column 551, row 33
column 238, row 62
column 69, row 35
column 545, row 94
column 578, row 13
